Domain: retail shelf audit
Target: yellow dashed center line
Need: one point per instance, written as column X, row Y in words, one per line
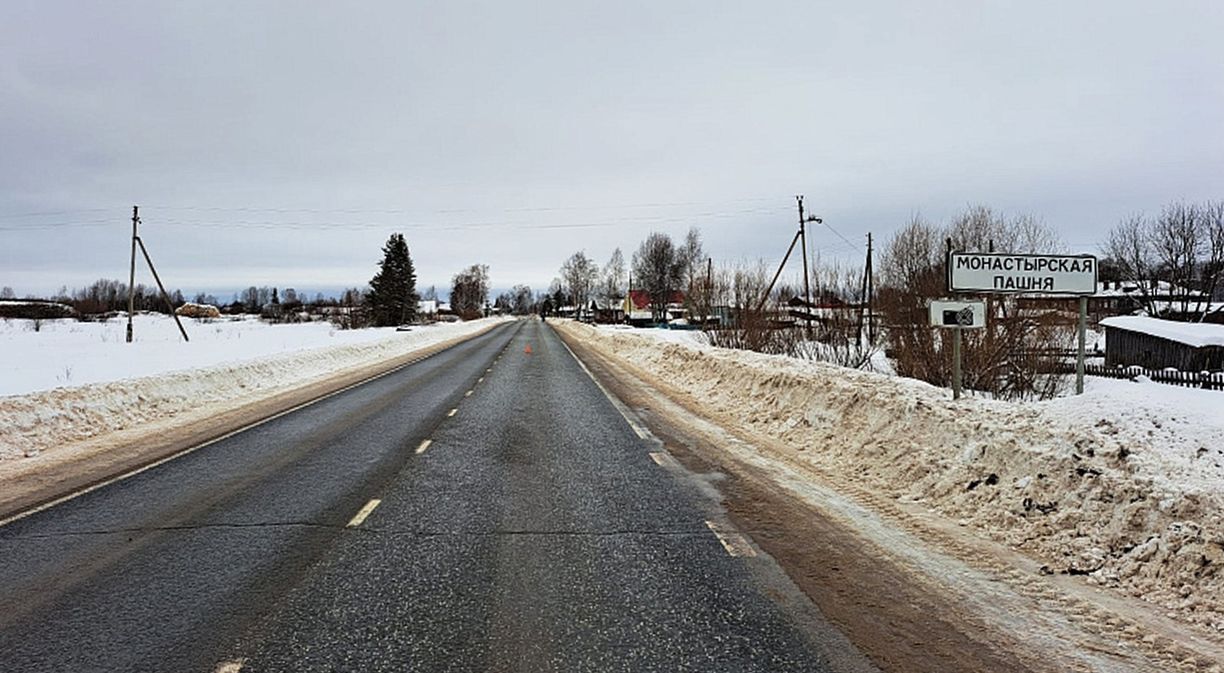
column 230, row 666
column 363, row 513
column 424, row 445
column 468, row 394
column 452, row 412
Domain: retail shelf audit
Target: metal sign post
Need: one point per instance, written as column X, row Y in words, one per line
column 1083, row 337
column 959, row 316
column 956, row 362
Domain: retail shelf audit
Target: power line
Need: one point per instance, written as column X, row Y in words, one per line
column 55, row 225
column 55, row 212
column 401, row 211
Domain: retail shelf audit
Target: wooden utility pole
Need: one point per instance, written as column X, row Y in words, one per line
column 799, row 236
column 132, row 273
column 807, row 289
column 865, row 308
column 137, row 241
column 870, row 294
column 709, row 293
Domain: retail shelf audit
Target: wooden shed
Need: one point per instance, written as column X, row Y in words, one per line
column 1152, row 343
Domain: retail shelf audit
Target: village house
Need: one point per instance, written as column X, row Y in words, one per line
column 1153, row 343
column 638, row 311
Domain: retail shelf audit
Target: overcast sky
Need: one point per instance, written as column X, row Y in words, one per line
column 280, row 143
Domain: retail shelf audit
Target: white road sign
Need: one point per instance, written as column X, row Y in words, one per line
column 1039, row 274
column 963, row 314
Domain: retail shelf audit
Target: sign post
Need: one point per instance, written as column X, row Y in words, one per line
column 1083, row 337
column 957, row 316
column 981, row 272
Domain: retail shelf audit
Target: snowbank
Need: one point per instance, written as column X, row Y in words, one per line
column 72, row 353
column 231, row 376
column 1123, row 484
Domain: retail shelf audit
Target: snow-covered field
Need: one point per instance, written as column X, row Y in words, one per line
column 72, row 382
column 1124, row 484
column 71, row 353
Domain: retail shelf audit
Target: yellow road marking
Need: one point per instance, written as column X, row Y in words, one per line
column 424, row 445
column 480, row 380
column 468, row 394
column 733, row 542
column 230, row 666
column 452, row 413
column 363, row 513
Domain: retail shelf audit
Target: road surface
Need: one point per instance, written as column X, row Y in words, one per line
column 486, row 509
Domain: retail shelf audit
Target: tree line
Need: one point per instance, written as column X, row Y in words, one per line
column 661, row 268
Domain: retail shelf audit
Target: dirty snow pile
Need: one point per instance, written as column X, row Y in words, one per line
column 1124, row 484
column 107, row 385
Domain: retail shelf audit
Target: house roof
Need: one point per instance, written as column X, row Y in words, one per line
column 1195, row 334
column 641, row 298
column 1130, row 288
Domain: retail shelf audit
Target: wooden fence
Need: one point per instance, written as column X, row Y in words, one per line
column 1206, row 380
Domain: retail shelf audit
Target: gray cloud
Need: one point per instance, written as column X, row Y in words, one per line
column 267, row 141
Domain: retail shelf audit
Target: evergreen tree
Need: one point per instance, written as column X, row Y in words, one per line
column 392, row 299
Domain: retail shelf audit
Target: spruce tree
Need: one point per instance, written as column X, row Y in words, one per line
column 393, row 297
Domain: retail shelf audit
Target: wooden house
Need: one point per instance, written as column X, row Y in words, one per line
column 1152, row 343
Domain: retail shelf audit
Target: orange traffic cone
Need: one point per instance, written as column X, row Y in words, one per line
column 528, row 349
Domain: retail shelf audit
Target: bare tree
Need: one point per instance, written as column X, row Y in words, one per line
column 523, row 302
column 1178, row 241
column 612, row 285
column 1213, row 266
column 580, row 276
column 1183, row 246
column 1003, row 359
column 470, row 291
column 691, row 256
column 658, row 268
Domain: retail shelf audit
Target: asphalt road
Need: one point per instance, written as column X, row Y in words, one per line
column 521, row 524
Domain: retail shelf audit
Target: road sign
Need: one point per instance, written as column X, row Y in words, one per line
column 962, row 314
column 1039, row 274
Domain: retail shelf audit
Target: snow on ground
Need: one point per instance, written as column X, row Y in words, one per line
column 1124, row 484
column 226, row 366
column 1181, row 429
column 71, row 353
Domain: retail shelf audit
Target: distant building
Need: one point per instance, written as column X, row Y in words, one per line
column 1120, row 298
column 638, row 310
column 1152, row 343
column 608, row 311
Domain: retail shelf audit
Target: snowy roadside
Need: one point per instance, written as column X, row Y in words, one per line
column 71, row 353
column 1124, row 484
column 185, row 382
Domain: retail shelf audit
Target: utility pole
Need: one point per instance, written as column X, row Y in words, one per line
column 799, row 236
column 807, row 289
column 870, row 294
column 709, row 293
column 132, row 273
column 136, row 240
column 868, row 288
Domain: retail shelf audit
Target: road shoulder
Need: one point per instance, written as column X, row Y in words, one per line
column 910, row 590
